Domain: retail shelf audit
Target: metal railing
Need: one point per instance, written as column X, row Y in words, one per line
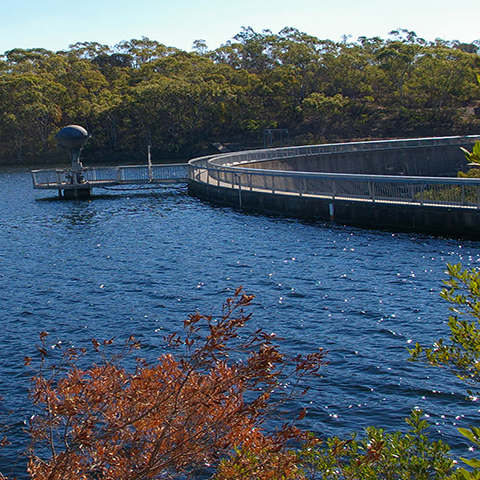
column 434, row 191
column 230, row 170
column 104, row 176
column 336, row 148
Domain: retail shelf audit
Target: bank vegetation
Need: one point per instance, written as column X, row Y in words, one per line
column 141, row 92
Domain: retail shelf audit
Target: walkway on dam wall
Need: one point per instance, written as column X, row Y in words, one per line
column 408, row 185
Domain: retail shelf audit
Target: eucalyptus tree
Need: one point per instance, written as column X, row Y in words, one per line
column 443, row 84
column 397, row 58
column 249, row 50
column 141, row 90
column 144, row 50
column 30, row 105
column 88, row 50
column 184, row 100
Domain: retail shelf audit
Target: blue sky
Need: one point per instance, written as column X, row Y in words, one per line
column 55, row 24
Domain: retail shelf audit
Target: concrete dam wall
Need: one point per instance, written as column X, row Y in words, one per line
column 428, row 161
column 401, row 185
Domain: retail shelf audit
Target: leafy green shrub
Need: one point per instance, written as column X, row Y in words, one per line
column 460, row 354
column 474, row 156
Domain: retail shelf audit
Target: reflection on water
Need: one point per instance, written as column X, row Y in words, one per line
column 83, row 213
column 124, row 263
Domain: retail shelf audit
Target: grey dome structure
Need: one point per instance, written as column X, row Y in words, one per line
column 72, row 138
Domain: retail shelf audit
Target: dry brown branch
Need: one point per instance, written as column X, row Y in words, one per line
column 201, row 402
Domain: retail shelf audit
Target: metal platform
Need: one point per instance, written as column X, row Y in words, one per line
column 75, row 183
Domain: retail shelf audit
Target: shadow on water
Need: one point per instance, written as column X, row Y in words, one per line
column 122, row 192
column 89, row 211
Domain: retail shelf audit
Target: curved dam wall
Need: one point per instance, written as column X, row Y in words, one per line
column 268, row 181
column 451, row 222
column 429, row 161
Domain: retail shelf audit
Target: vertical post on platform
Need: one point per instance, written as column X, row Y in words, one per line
column 149, row 160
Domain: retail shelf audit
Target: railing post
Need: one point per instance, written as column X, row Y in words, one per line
column 463, row 195
column 334, row 189
column 239, row 183
column 371, row 189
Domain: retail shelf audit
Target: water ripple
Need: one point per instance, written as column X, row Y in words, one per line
column 126, row 263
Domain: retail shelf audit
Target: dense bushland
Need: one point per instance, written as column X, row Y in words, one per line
column 141, row 92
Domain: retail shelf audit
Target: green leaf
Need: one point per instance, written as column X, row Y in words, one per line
column 472, row 462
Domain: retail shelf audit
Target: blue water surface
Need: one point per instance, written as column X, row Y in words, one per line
column 138, row 262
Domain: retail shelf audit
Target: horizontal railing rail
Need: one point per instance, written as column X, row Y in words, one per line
column 337, row 148
column 231, row 170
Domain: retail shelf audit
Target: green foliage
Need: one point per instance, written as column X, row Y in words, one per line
column 377, row 456
column 474, row 156
column 460, row 354
column 473, row 434
column 461, row 194
column 323, row 112
column 141, row 91
column 471, row 173
column 380, row 455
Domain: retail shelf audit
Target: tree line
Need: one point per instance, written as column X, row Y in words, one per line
column 141, row 92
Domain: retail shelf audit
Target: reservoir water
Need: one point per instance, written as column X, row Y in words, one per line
column 138, row 262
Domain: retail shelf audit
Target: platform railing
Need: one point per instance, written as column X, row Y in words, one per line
column 98, row 176
column 231, row 170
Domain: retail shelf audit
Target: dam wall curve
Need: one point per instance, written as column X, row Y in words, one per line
column 401, row 185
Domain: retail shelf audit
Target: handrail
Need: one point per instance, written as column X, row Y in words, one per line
column 231, row 170
column 344, row 176
column 332, row 148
